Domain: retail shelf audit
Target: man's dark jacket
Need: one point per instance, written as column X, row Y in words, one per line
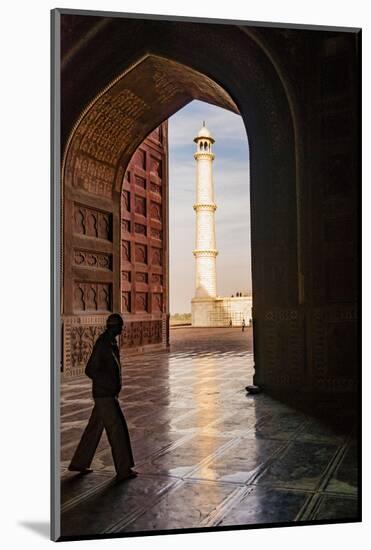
column 103, row 366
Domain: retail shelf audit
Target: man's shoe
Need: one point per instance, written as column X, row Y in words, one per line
column 80, row 470
column 128, row 475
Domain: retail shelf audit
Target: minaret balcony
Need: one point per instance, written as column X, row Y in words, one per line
column 210, row 252
column 204, row 155
column 204, row 206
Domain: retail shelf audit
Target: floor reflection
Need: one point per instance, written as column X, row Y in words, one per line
column 206, row 453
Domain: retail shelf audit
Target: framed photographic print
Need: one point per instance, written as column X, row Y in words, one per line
column 206, row 197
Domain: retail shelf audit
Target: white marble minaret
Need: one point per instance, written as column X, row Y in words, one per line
column 205, row 252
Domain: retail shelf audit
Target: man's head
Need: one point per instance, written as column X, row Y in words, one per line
column 115, row 323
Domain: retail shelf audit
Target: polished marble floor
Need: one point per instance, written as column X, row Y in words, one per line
column 207, row 454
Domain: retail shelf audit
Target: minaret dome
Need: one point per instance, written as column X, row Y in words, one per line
column 204, row 140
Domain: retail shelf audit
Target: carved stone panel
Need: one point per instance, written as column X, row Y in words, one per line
column 156, row 167
column 140, row 205
column 156, row 233
column 140, row 228
column 157, row 256
column 334, row 331
column 125, row 203
column 146, row 332
column 92, row 297
column 156, row 211
column 126, row 226
column 92, row 223
column 139, row 159
column 126, row 276
column 141, row 253
column 140, row 182
column 141, row 302
column 155, row 188
column 79, row 336
column 93, row 176
column 141, row 333
column 141, row 277
column 95, row 260
column 157, row 278
column 126, row 251
column 126, row 301
column 157, row 302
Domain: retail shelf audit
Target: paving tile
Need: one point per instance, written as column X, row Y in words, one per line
column 345, row 478
column 112, row 504
column 75, row 485
column 265, row 505
column 281, row 425
column 316, row 431
column 338, row 508
column 170, row 512
column 300, row 466
column 184, row 458
column 240, row 462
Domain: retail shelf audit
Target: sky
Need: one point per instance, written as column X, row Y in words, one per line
column 232, row 196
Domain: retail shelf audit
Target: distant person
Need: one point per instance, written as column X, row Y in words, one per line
column 243, row 325
column 230, row 322
column 104, row 368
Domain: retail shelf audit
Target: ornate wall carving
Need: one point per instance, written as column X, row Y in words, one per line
column 141, row 277
column 141, row 301
column 125, row 226
column 125, row 203
column 157, row 302
column 92, row 297
column 140, row 182
column 126, row 250
column 334, row 331
column 156, row 256
column 92, row 223
column 156, row 211
column 140, row 228
column 95, row 260
column 157, row 278
column 139, row 159
column 156, row 167
column 140, row 205
column 126, row 301
column 155, row 188
column 79, row 336
column 141, row 333
column 141, row 253
column 126, row 275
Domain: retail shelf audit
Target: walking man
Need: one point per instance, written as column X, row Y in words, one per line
column 243, row 325
column 104, row 369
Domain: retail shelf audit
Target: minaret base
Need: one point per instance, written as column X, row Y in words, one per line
column 221, row 312
column 202, row 311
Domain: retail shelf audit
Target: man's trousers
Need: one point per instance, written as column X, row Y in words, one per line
column 106, row 414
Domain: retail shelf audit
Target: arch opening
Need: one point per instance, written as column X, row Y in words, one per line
column 97, row 154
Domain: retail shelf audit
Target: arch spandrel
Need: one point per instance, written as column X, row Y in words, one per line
column 125, row 113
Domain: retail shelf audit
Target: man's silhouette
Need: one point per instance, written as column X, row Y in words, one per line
column 104, row 369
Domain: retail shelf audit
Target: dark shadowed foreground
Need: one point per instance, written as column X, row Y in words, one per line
column 206, row 453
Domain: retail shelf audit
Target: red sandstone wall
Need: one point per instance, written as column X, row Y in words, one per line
column 144, row 244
